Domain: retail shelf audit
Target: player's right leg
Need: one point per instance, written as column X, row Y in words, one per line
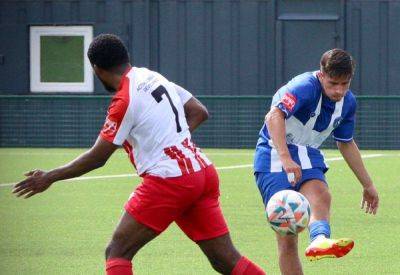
column 322, row 246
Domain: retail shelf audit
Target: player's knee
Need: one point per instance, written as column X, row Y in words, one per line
column 324, row 198
column 327, row 196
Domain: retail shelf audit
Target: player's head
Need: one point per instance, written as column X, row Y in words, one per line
column 108, row 56
column 336, row 72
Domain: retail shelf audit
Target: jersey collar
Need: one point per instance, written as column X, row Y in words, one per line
column 127, row 70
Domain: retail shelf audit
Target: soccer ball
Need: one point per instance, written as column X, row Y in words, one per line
column 288, row 212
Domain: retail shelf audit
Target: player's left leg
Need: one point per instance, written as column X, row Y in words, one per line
column 128, row 238
column 289, row 261
column 317, row 193
column 269, row 184
column 153, row 206
column 225, row 259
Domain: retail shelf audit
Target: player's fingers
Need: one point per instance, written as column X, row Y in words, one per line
column 368, row 207
column 371, row 208
column 375, row 206
column 30, row 194
column 28, row 183
column 19, row 188
column 21, row 183
column 297, row 174
column 362, row 203
column 24, row 191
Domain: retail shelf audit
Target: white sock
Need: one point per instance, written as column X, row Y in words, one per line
column 319, row 237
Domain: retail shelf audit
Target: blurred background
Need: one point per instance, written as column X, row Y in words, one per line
column 233, row 55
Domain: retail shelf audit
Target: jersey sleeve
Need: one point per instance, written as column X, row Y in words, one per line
column 183, row 94
column 292, row 97
column 344, row 132
column 118, row 122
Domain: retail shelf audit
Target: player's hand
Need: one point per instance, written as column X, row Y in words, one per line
column 370, row 200
column 36, row 182
column 292, row 169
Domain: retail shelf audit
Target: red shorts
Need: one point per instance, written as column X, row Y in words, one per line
column 192, row 201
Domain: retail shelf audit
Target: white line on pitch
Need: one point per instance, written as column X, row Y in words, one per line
column 218, row 168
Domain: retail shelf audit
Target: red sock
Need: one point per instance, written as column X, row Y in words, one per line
column 246, row 267
column 119, row 266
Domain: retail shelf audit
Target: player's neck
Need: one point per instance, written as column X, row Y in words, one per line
column 118, row 74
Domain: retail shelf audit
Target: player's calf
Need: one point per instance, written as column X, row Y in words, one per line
column 225, row 259
column 128, row 238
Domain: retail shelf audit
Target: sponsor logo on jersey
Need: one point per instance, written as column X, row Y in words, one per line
column 289, row 101
column 147, row 84
column 336, row 122
column 110, row 127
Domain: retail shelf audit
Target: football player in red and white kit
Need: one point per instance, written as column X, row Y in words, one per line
column 152, row 118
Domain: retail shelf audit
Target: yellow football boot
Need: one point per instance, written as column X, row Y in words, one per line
column 323, row 247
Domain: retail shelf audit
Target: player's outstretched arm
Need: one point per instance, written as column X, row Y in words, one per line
column 275, row 121
column 38, row 181
column 195, row 112
column 352, row 156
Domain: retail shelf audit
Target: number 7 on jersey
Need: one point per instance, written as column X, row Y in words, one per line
column 157, row 94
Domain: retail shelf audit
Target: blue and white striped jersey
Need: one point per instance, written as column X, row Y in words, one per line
column 311, row 117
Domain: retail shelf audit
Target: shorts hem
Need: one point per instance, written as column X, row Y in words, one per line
column 138, row 218
column 211, row 236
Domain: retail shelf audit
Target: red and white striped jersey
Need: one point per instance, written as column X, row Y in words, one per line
column 146, row 116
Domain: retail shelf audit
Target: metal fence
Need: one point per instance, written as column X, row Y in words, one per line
column 75, row 121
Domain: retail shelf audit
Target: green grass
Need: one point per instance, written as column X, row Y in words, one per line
column 65, row 230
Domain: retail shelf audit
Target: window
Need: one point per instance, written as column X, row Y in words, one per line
column 58, row 59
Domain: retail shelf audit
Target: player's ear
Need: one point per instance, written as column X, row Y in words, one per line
column 320, row 73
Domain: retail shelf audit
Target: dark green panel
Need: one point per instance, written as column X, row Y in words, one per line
column 75, row 121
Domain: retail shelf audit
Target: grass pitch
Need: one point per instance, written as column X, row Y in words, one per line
column 65, row 229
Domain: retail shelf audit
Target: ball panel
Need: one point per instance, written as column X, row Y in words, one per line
column 288, row 212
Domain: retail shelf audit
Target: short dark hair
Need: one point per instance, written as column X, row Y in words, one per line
column 337, row 63
column 107, row 51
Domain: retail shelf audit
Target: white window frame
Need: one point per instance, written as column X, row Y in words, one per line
column 36, row 85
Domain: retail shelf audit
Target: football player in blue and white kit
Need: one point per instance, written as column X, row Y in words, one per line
column 304, row 112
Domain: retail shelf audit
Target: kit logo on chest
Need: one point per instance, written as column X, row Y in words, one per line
column 337, row 122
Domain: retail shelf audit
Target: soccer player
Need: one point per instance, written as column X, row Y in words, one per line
column 303, row 113
column 152, row 118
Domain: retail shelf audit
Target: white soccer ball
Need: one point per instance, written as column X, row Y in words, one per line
column 288, row 212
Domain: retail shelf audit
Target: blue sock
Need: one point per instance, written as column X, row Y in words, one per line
column 320, row 227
